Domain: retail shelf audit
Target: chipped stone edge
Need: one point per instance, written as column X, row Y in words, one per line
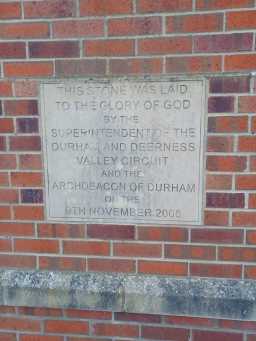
column 132, row 293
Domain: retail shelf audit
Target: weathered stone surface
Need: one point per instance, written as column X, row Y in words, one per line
column 220, row 298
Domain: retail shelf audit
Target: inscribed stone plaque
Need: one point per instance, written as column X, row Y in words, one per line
column 124, row 151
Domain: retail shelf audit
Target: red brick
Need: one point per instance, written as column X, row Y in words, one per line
column 8, row 337
column 10, row 10
column 144, row 318
column 5, row 88
column 163, row 268
column 5, row 245
column 215, row 270
column 7, row 161
column 21, row 107
column 228, row 124
column 164, row 45
column 89, row 339
column 8, row 195
column 69, row 327
column 221, row 104
column 251, row 337
column 12, row 50
column 225, row 200
column 247, row 104
column 36, row 245
column 134, row 26
column 111, row 265
column 253, row 125
column 118, row 47
column 78, row 28
column 226, row 163
column 30, row 162
column 239, row 325
column 253, row 163
column 85, row 314
column 190, row 251
column 250, row 272
column 164, row 333
column 62, row 263
column 223, row 42
column 136, row 66
column 114, row 329
column 28, row 212
column 4, row 179
column 216, row 218
column 35, row 311
column 247, row 144
column 26, row 88
column 105, row 7
column 86, row 248
column 152, row 6
column 194, row 23
column 111, row 231
column 203, row 335
column 24, row 30
column 223, row 4
column 16, row 261
column 229, row 84
column 241, row 20
column 19, row 324
column 214, row 181
column 27, row 125
column 25, row 143
column 25, row 337
column 246, row 182
column 6, row 126
column 16, row 229
column 26, row 179
column 247, row 219
column 49, row 9
column 193, row 64
column 215, row 236
column 137, row 250
column 5, row 212
column 28, row 69
column 61, row 231
column 220, row 144
column 194, row 321
column 80, row 67
column 241, row 62
column 162, row 234
column 252, row 200
column 241, row 254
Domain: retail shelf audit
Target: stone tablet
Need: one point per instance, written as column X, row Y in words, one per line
column 124, row 151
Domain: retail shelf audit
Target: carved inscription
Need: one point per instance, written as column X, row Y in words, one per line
column 123, row 151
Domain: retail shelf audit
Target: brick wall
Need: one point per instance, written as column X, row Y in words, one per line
column 65, row 38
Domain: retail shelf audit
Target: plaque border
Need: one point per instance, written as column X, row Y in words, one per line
column 112, row 220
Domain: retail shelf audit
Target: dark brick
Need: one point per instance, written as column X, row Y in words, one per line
column 229, row 84
column 27, row 125
column 111, row 231
column 54, row 49
column 225, row 200
column 224, row 42
column 80, row 67
column 221, row 104
column 32, row 196
column 2, row 143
